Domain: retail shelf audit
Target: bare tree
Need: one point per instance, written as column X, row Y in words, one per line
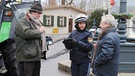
column 89, row 5
column 71, row 2
column 44, row 3
column 63, row 2
column 83, row 4
column 97, row 4
column 66, row 2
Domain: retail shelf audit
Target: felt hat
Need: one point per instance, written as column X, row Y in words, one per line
column 36, row 7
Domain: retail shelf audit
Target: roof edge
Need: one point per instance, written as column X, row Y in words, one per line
column 64, row 6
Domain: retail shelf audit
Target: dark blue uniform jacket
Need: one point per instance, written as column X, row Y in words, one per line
column 80, row 53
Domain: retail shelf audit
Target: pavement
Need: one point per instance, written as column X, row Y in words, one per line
column 65, row 65
column 58, row 37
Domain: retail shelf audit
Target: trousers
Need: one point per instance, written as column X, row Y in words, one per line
column 82, row 69
column 31, row 68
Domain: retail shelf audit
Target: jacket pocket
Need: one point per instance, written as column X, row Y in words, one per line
column 29, row 51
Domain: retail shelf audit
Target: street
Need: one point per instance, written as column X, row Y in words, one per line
column 56, row 53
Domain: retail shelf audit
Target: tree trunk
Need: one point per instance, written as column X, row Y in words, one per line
column 63, row 2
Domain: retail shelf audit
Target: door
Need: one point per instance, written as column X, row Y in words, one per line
column 70, row 25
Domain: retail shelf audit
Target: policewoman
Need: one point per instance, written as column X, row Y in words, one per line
column 79, row 42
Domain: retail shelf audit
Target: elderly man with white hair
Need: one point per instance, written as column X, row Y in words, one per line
column 106, row 52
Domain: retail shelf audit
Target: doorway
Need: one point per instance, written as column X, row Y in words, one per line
column 70, row 27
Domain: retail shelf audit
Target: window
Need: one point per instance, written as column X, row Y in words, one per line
column 48, row 20
column 61, row 21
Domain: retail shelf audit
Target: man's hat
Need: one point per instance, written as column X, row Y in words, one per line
column 36, row 7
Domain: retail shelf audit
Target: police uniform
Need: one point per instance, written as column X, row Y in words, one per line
column 80, row 54
column 80, row 47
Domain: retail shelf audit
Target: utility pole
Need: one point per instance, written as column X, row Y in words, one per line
column 123, row 6
column 109, row 7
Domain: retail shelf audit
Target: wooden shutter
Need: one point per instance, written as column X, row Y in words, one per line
column 58, row 21
column 65, row 21
column 52, row 20
column 44, row 20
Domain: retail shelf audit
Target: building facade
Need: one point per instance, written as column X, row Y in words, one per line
column 60, row 19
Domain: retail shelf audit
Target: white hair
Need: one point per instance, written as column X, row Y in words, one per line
column 109, row 19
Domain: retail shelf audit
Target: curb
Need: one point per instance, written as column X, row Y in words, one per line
column 64, row 66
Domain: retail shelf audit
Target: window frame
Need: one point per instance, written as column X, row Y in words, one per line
column 51, row 20
column 61, row 21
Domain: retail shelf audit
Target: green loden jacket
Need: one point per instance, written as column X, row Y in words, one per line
column 28, row 41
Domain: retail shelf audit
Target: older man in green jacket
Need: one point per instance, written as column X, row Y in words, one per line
column 30, row 42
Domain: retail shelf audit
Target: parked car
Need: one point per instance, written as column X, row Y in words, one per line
column 96, row 34
column 49, row 40
column 92, row 31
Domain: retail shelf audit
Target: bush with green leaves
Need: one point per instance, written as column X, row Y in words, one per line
column 122, row 15
column 97, row 15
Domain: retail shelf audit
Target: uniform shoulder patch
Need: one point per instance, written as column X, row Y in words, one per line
column 90, row 39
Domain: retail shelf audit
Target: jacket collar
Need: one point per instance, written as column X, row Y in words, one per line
column 113, row 29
